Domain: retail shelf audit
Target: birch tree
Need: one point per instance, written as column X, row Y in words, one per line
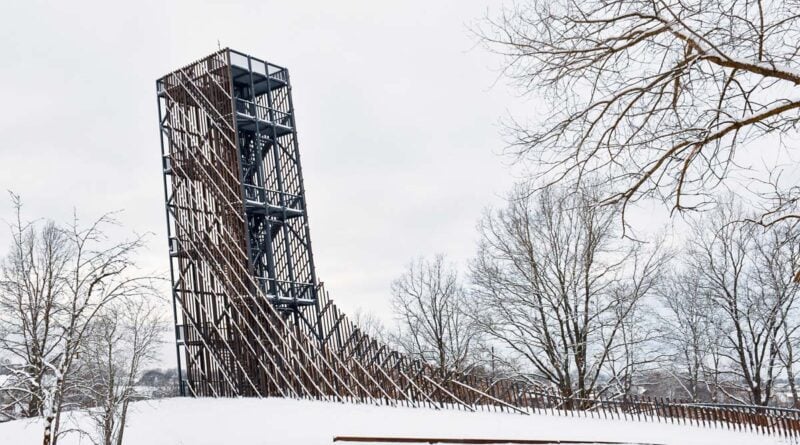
column 31, row 289
column 56, row 280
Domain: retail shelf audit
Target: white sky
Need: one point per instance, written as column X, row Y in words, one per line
column 397, row 111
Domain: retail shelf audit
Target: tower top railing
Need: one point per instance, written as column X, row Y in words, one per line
column 257, row 65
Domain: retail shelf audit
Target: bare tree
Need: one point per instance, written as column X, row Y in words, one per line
column 656, row 97
column 31, row 287
column 746, row 273
column 690, row 334
column 556, row 286
column 637, row 351
column 122, row 339
column 788, row 355
column 56, row 280
column 427, row 301
column 370, row 325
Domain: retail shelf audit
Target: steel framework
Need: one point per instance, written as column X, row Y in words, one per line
column 251, row 318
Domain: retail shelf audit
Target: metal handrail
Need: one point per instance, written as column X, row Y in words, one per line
column 262, row 112
column 261, row 194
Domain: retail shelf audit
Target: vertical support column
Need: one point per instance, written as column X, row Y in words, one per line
column 167, row 172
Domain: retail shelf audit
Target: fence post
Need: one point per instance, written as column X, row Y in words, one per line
column 771, row 423
column 725, row 415
column 653, row 410
column 624, row 408
column 657, row 408
column 704, row 416
column 638, row 403
column 682, row 413
column 667, row 410
column 781, row 422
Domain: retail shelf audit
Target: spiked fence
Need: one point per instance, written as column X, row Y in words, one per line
column 250, row 317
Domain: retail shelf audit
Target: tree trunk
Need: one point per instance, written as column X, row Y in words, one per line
column 122, row 420
column 48, row 430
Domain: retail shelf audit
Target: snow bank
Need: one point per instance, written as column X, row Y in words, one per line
column 282, row 421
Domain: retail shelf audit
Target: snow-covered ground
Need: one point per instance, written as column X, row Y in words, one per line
column 299, row 422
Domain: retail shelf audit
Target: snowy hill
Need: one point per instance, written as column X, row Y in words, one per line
column 282, row 421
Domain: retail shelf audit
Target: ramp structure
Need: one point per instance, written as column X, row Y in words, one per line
column 251, row 318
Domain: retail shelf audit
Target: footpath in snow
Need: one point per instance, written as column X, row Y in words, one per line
column 187, row 421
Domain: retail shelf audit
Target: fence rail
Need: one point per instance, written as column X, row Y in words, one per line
column 758, row 419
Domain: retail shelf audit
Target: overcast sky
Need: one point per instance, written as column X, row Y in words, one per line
column 397, row 111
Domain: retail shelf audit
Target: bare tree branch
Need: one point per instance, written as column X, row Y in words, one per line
column 652, row 97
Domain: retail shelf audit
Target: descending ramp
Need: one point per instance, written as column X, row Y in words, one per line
column 251, row 317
